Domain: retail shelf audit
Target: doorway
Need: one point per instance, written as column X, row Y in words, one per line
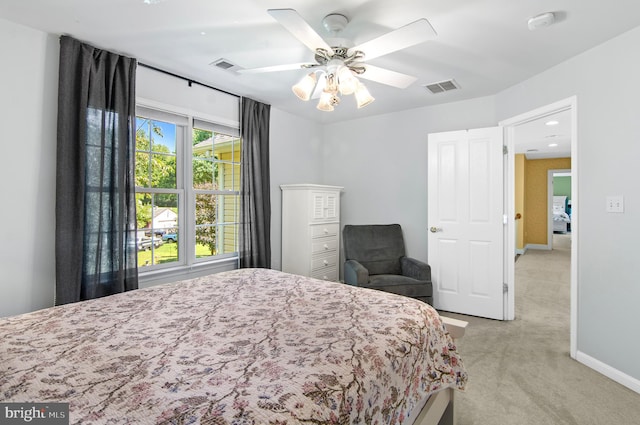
column 559, row 206
column 510, row 125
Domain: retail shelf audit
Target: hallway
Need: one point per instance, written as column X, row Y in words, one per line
column 543, row 279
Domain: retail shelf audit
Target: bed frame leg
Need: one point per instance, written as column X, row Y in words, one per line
column 448, row 416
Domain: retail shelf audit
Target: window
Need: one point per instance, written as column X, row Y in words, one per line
column 187, row 190
column 216, row 186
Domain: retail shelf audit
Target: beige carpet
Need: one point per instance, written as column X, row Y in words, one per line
column 520, row 371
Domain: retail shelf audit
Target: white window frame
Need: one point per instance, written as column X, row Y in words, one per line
column 187, row 266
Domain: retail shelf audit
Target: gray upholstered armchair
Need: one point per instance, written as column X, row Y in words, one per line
column 375, row 258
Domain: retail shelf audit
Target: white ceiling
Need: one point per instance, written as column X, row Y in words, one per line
column 540, row 138
column 484, row 45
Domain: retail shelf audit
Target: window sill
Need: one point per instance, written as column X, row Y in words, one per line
column 174, row 274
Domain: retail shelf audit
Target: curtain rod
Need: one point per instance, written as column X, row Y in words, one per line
column 189, row 80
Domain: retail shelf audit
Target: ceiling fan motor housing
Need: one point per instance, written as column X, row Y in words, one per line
column 335, row 22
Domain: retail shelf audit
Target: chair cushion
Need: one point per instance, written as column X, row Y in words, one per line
column 378, row 247
column 401, row 285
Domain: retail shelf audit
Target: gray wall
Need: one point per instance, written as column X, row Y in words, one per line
column 295, row 157
column 382, row 163
column 606, row 81
column 28, row 108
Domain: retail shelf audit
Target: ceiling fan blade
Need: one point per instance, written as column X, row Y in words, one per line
column 275, row 68
column 409, row 35
column 293, row 22
column 388, row 77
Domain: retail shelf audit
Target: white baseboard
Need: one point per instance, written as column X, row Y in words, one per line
column 537, row 246
column 608, row 371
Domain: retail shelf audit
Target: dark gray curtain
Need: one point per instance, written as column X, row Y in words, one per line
column 255, row 210
column 95, row 199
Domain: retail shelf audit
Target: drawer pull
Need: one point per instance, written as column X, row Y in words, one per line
column 326, row 246
column 326, row 231
column 326, row 263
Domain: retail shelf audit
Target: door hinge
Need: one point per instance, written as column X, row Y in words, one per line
column 505, row 149
column 505, row 288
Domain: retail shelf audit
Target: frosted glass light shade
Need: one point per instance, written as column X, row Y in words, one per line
column 363, row 97
column 326, row 102
column 347, row 83
column 305, row 87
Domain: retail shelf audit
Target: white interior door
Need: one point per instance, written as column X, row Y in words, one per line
column 466, row 221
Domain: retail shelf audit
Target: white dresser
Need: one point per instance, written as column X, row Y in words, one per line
column 311, row 230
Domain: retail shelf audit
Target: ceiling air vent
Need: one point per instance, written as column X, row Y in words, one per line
column 442, row 86
column 224, row 65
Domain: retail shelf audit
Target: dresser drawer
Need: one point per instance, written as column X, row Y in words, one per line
column 330, row 273
column 324, row 245
column 322, row 230
column 324, row 262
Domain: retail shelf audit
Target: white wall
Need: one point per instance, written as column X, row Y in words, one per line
column 196, row 100
column 295, row 157
column 28, row 111
column 382, row 163
column 606, row 81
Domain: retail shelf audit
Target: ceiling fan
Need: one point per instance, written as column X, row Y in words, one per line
column 339, row 65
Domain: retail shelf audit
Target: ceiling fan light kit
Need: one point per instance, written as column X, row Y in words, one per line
column 340, row 65
column 338, row 79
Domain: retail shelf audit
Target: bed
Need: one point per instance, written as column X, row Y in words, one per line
column 246, row 346
column 561, row 220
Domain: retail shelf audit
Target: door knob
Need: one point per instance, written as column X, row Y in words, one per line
column 435, row 229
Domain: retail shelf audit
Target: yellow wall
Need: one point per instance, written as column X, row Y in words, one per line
column 535, row 215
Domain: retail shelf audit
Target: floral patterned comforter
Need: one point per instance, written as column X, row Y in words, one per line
column 250, row 346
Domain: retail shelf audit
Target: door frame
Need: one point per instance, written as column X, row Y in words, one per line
column 550, row 175
column 509, row 125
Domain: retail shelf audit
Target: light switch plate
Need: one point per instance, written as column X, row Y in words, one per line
column 615, row 204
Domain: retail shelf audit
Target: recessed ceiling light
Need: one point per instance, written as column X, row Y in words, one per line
column 553, row 145
column 532, row 150
column 203, row 33
column 552, row 122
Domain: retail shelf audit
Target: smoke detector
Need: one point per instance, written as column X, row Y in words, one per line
column 541, row 21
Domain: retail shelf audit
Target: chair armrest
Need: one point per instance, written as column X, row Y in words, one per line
column 415, row 269
column 355, row 273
